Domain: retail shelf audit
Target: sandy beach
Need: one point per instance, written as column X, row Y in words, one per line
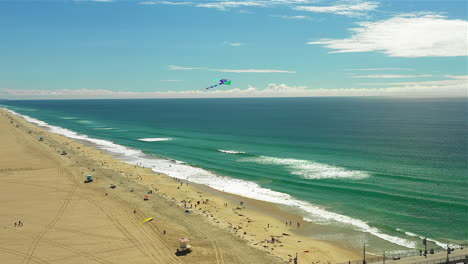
column 64, row 220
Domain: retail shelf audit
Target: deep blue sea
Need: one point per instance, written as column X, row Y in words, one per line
column 383, row 171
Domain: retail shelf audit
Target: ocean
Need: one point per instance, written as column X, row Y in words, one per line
column 383, row 171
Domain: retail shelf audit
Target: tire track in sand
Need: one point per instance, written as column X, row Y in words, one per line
column 32, row 248
column 18, row 253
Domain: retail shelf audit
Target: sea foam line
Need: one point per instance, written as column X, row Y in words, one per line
column 243, row 188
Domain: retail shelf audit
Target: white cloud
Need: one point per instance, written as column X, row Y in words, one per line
column 164, row 3
column 291, row 17
column 348, row 8
column 457, row 77
column 224, row 5
column 454, row 80
column 390, row 76
column 379, row 69
column 234, row 44
column 457, row 86
column 172, row 67
column 232, row 4
column 253, row 71
column 407, row 35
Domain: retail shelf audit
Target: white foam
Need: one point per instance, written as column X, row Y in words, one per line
column 231, row 151
column 69, row 118
column 154, row 139
column 85, row 122
column 440, row 244
column 103, row 128
column 310, row 169
column 178, row 169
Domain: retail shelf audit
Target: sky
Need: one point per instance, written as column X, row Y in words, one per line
column 76, row 49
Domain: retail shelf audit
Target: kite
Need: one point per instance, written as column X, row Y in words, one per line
column 221, row 82
column 146, row 220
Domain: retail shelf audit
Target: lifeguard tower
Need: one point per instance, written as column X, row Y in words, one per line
column 184, row 248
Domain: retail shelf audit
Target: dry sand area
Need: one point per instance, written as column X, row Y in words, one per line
column 66, row 221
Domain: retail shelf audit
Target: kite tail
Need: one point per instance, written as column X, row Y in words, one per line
column 212, row 87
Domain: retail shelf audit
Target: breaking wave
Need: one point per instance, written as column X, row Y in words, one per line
column 231, row 151
column 155, row 139
column 309, row 169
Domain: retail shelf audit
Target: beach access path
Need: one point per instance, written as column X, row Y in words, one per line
column 64, row 220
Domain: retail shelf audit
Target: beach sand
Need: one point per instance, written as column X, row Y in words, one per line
column 68, row 221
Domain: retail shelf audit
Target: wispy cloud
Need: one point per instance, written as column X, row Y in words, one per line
column 226, row 5
column 406, row 35
column 379, row 69
column 164, row 3
column 252, row 71
column 172, row 67
column 234, row 44
column 451, row 89
column 453, row 80
column 232, row 4
column 390, row 76
column 347, row 8
column 175, row 68
column 291, row 17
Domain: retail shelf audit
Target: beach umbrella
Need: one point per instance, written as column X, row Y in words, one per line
column 184, row 240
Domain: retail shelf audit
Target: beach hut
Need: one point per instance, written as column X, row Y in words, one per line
column 89, row 178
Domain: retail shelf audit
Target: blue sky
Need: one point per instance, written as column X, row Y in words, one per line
column 146, row 49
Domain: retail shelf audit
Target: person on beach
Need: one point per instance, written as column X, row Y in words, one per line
column 20, row 224
column 15, row 224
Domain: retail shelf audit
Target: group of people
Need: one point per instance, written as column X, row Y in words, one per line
column 290, row 224
column 19, row 224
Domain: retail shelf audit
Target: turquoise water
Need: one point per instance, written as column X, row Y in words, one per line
column 392, row 169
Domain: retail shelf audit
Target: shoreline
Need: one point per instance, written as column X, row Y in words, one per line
column 250, row 219
column 311, row 213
